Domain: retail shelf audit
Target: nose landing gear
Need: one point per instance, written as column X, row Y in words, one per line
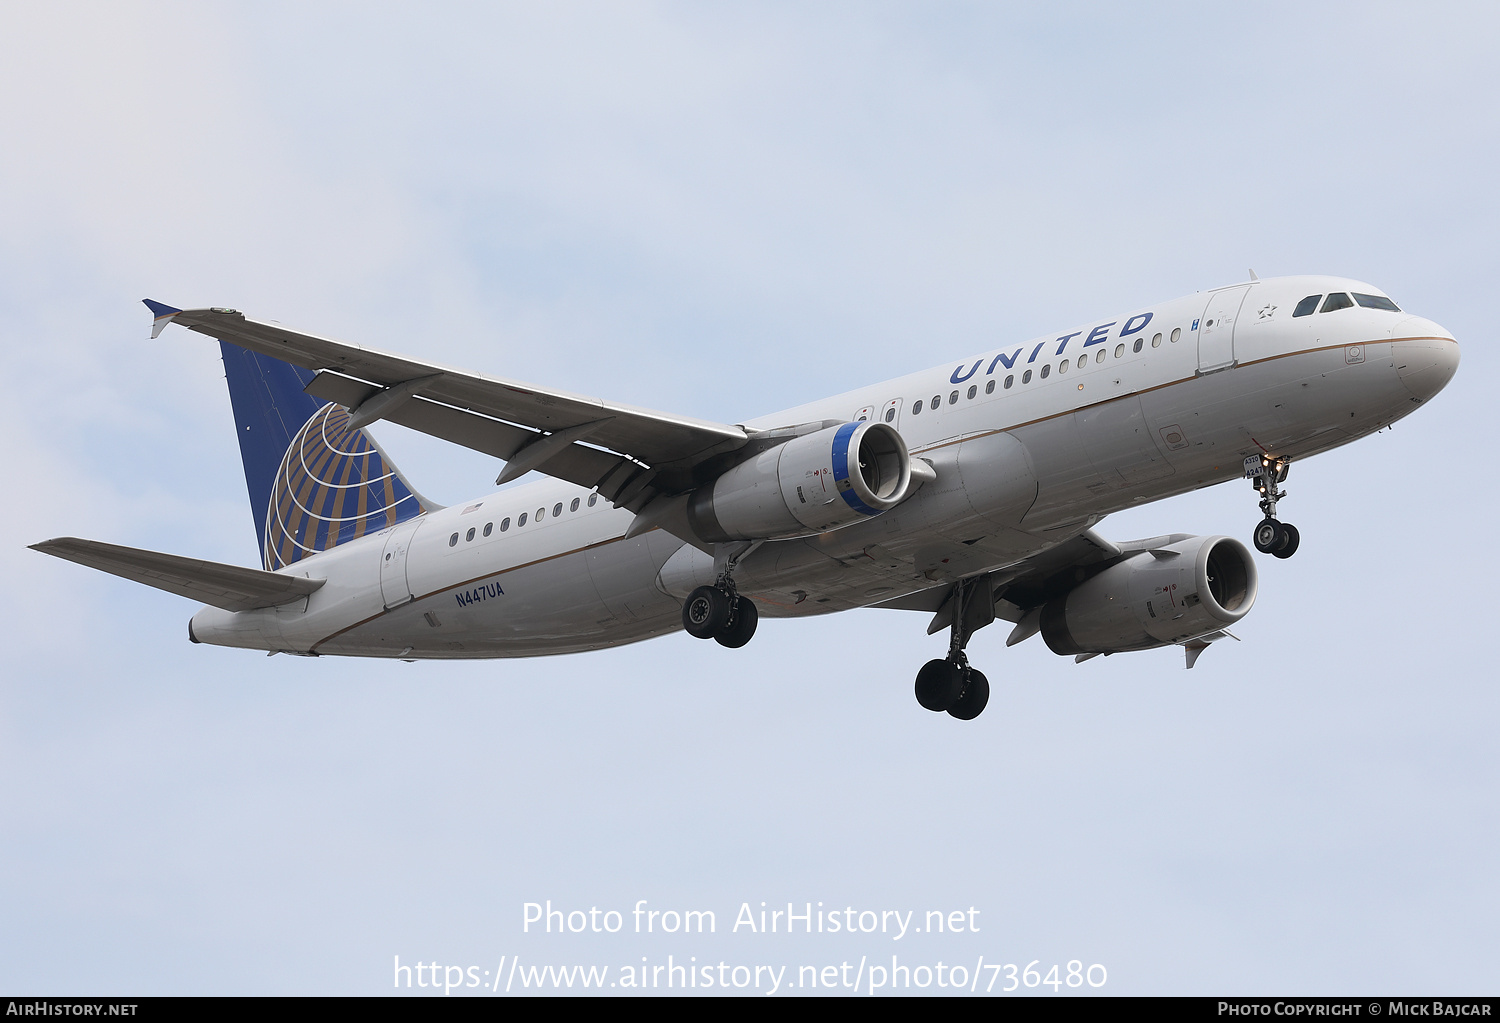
column 1271, row 536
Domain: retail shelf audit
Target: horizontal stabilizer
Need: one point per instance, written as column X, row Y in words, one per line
column 228, row 586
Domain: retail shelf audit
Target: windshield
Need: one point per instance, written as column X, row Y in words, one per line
column 1376, row 302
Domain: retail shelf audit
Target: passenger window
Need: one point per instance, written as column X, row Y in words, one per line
column 489, row 527
column 521, row 521
column 973, row 390
column 1307, row 306
column 1138, row 343
column 453, row 540
column 541, row 513
column 1176, row 333
column 469, row 536
column 989, row 388
column 890, row 415
column 1083, row 360
column 1099, row 355
column 937, row 399
column 916, row 409
column 1119, row 351
column 505, row 523
column 1376, row 302
column 953, row 398
column 593, row 499
column 574, row 506
column 1062, row 367
column 1335, row 301
column 557, row 509
column 1010, row 378
column 1026, row 377
column 1156, row 341
column 1047, row 369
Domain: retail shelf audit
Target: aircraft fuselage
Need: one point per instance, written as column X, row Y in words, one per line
column 1032, row 443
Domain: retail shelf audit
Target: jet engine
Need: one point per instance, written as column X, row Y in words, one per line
column 1185, row 590
column 809, row 484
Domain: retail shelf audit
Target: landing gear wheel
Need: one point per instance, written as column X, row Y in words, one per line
column 1290, row 538
column 971, row 702
column 939, row 685
column 706, row 612
column 741, row 627
column 1269, row 536
column 1266, row 473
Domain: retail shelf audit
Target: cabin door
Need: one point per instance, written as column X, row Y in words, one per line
column 1216, row 329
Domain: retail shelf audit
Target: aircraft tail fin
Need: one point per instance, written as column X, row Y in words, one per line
column 314, row 481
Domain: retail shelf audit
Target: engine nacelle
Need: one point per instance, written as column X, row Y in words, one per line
column 1176, row 593
column 809, row 484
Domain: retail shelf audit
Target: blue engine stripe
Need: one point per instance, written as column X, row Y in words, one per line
column 841, row 470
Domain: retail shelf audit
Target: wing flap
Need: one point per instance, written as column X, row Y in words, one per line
column 228, row 586
column 575, row 463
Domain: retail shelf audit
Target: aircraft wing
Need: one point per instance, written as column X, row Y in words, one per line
column 1024, row 587
column 630, row 454
column 228, row 586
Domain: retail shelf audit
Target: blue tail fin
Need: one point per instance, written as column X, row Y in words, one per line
column 314, row 482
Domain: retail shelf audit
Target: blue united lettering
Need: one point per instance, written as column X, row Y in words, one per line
column 1097, row 335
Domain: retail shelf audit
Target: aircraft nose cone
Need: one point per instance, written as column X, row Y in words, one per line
column 1426, row 356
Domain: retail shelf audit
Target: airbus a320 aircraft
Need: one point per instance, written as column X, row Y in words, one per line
column 968, row 491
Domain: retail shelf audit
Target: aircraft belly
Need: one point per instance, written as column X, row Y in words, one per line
column 1121, row 444
column 545, row 608
column 1067, row 481
column 624, row 576
column 1295, row 406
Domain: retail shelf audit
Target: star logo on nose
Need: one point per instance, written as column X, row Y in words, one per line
column 1266, row 311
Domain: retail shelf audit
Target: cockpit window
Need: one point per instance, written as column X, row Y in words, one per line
column 1337, row 300
column 1307, row 306
column 1376, row 302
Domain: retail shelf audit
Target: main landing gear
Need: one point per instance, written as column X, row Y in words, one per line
column 950, row 683
column 1272, row 536
column 718, row 612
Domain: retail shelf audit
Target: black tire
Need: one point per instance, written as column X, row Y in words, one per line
column 1269, row 535
column 939, row 685
column 706, row 612
column 1290, row 539
column 971, row 702
column 741, row 627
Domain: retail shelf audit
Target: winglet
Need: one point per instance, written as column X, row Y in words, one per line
column 163, row 314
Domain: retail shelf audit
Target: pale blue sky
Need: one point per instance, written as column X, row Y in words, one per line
column 723, row 210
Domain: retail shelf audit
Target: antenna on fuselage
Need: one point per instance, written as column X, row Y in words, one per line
column 1253, row 277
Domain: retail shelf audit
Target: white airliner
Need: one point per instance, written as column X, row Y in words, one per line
column 968, row 491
